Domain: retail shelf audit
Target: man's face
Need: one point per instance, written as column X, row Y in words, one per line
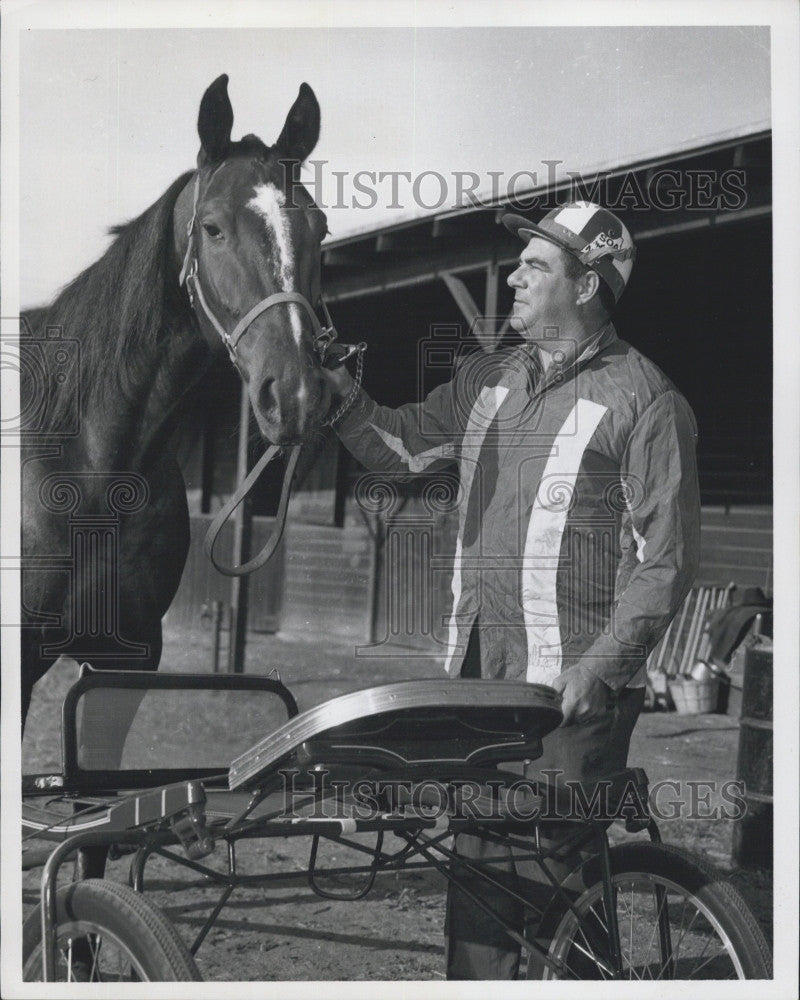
column 544, row 297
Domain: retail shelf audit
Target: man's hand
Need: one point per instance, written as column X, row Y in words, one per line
column 583, row 695
column 339, row 379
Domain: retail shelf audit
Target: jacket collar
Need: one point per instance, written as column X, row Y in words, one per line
column 599, row 341
column 545, row 377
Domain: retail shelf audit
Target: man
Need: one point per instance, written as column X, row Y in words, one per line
column 579, row 517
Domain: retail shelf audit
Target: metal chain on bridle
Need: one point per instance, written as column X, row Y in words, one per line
column 350, row 398
column 331, row 355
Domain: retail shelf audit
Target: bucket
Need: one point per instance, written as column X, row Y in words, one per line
column 694, row 697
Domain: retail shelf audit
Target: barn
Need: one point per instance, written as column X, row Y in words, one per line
column 366, row 560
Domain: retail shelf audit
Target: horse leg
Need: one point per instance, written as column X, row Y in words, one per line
column 106, row 717
column 26, row 682
column 90, row 862
column 27, row 676
column 32, row 667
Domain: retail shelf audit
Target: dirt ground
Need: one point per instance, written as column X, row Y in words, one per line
column 395, row 933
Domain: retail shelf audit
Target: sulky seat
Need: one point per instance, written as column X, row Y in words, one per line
column 424, row 724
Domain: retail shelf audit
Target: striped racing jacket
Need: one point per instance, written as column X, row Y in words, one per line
column 579, row 513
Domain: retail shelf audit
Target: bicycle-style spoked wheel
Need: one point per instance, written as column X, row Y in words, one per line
column 678, row 919
column 108, row 933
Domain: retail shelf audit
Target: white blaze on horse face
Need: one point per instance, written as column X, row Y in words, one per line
column 268, row 202
column 302, row 396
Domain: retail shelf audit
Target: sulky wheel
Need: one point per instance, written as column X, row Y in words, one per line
column 678, row 919
column 107, row 933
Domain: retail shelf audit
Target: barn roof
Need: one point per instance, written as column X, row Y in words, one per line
column 723, row 181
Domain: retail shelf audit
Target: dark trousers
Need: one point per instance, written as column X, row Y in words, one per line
column 477, row 946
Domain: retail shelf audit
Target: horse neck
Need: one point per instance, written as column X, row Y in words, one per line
column 140, row 430
column 156, row 372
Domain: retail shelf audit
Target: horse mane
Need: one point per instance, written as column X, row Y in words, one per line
column 121, row 309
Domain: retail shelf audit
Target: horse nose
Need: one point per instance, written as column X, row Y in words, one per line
column 267, row 398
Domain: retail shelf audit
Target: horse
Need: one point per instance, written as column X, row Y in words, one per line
column 228, row 257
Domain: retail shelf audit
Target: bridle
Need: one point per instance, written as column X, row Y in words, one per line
column 324, row 336
column 323, row 339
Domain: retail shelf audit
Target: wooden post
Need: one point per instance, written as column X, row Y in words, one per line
column 492, row 281
column 341, row 481
column 465, row 302
column 375, row 570
column 242, row 529
column 483, row 326
column 206, row 465
column 216, row 613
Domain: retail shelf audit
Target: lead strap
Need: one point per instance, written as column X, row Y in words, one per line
column 241, row 492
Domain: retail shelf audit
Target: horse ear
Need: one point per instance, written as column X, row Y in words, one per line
column 215, row 121
column 301, row 128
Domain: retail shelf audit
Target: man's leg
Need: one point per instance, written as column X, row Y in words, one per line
column 477, row 947
column 584, row 753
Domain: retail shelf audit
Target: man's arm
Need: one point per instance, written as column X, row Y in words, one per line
column 660, row 467
column 417, row 437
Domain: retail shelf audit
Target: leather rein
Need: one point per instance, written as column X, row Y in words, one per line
column 329, row 355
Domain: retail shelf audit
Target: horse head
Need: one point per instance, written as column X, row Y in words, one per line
column 252, row 261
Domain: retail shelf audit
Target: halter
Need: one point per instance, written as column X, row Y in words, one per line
column 324, row 336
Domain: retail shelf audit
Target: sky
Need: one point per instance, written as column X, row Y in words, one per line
column 108, row 115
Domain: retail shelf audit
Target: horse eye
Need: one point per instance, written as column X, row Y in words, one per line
column 213, row 231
